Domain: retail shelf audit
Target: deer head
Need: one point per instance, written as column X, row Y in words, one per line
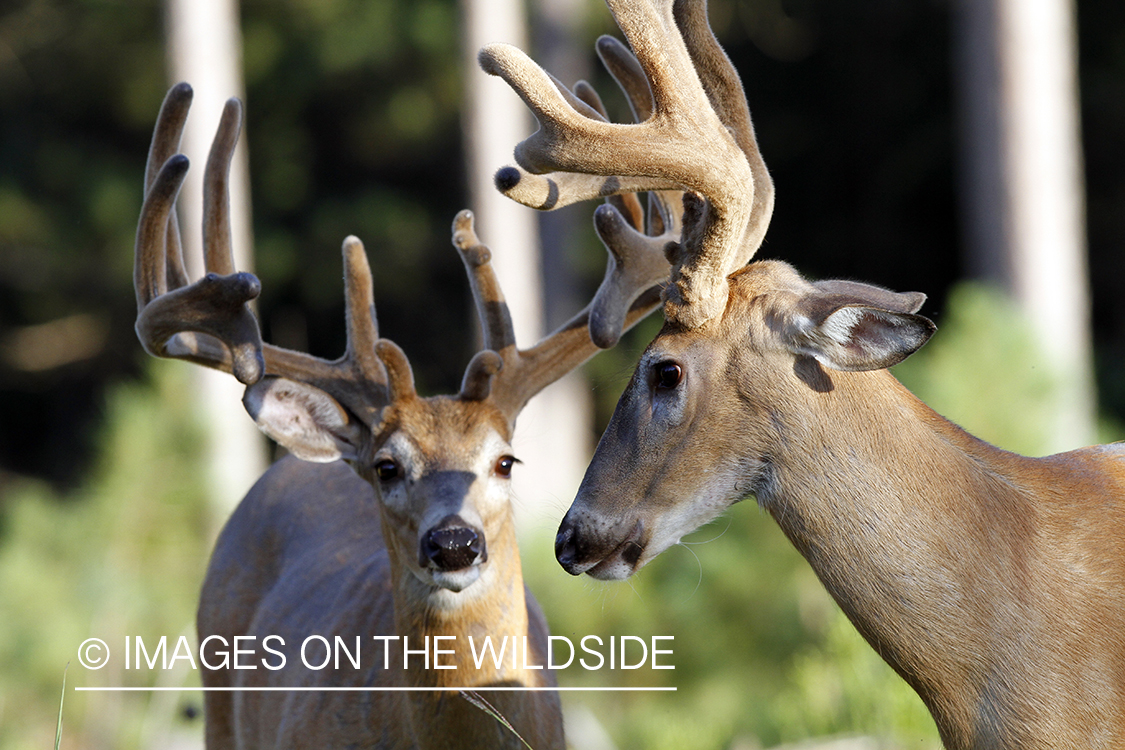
column 439, row 465
column 697, row 427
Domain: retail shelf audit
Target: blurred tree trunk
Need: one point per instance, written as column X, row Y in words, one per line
column 204, row 49
column 556, row 30
column 553, row 434
column 1022, row 184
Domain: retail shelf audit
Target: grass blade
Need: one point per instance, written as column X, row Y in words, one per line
column 62, row 699
column 478, row 700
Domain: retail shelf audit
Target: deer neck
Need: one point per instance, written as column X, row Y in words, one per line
column 494, row 607
column 906, row 519
column 868, row 464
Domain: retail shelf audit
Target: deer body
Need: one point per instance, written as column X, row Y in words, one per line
column 981, row 576
column 991, row 582
column 279, row 549
column 414, row 541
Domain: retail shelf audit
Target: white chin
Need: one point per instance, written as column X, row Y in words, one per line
column 456, row 580
column 615, row 569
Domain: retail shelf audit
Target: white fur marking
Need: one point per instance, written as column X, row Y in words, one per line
column 840, row 324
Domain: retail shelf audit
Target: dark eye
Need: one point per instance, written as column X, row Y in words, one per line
column 504, row 466
column 386, row 470
column 668, row 375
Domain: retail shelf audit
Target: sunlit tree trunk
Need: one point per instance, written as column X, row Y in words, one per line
column 553, row 434
column 1022, row 186
column 556, row 30
column 204, row 49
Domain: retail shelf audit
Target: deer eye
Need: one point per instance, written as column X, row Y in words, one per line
column 504, row 466
column 668, row 375
column 386, row 470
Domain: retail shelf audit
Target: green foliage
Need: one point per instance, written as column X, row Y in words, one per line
column 838, row 684
column 124, row 555
column 983, row 370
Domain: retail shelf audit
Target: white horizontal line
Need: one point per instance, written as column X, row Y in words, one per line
column 368, row 689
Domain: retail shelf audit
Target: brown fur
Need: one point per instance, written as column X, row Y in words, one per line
column 993, row 583
column 312, row 550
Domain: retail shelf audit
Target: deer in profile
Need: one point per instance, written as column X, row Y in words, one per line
column 993, row 583
column 413, row 537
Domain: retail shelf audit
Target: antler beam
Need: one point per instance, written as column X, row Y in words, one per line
column 503, row 373
column 209, row 321
column 698, row 137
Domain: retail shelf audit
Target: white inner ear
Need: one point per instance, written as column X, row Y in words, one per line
column 304, row 419
column 840, row 324
column 866, row 338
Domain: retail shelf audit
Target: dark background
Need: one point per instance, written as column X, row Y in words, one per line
column 353, row 126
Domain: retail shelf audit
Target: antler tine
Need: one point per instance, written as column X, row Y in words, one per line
column 636, row 260
column 168, row 319
column 168, row 132
column 724, row 88
column 558, row 189
column 636, row 265
column 528, row 371
column 546, row 192
column 664, row 205
column 685, row 142
column 217, row 255
column 565, row 140
column 209, row 322
column 627, row 203
column 362, row 324
column 503, row 373
column 492, row 309
column 510, row 376
column 358, row 379
column 165, row 144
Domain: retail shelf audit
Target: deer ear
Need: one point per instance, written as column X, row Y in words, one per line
column 307, row 421
column 841, row 292
column 859, row 337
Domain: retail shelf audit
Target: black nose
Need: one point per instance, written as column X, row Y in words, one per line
column 453, row 545
column 566, row 547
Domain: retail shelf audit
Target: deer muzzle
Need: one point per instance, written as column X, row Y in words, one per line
column 609, row 555
column 453, row 550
